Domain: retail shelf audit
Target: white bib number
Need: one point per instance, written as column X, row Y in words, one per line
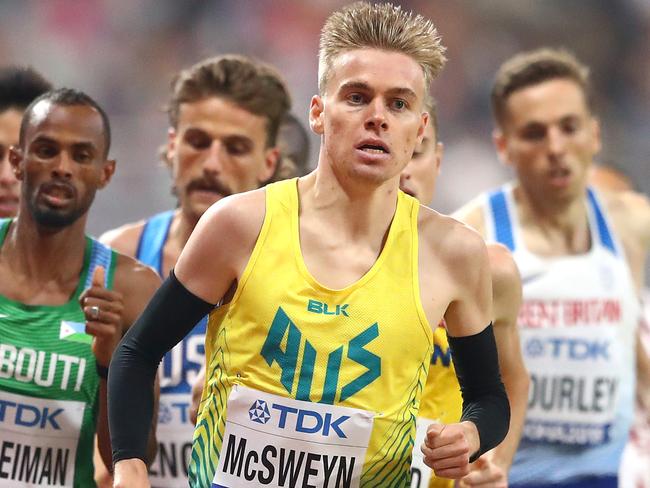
column 174, row 434
column 38, row 440
column 575, row 383
column 271, row 440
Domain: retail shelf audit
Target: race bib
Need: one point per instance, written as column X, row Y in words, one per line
column 575, row 380
column 420, row 472
column 38, row 440
column 174, row 434
column 271, row 440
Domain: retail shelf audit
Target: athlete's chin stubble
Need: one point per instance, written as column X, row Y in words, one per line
column 56, row 218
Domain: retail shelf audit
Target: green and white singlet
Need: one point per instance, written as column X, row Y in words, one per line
column 49, row 387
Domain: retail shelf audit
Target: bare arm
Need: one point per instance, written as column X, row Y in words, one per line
column 212, row 260
column 492, row 468
column 471, row 311
column 221, row 244
column 472, row 214
column 449, row 448
column 124, row 239
column 134, row 286
column 630, row 214
column 507, row 297
column 643, row 371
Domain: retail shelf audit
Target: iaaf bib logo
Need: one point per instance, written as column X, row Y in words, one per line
column 259, row 412
column 301, row 420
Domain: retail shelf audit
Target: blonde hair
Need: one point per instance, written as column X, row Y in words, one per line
column 535, row 67
column 380, row 26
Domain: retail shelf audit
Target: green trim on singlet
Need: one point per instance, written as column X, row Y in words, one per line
column 4, row 227
column 66, row 365
column 73, row 302
column 110, row 272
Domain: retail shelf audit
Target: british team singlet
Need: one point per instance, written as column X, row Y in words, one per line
column 441, row 403
column 577, row 326
column 310, row 386
column 177, row 373
column 49, row 387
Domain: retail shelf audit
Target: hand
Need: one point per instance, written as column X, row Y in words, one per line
column 197, row 391
column 447, row 448
column 105, row 326
column 485, row 473
column 130, row 473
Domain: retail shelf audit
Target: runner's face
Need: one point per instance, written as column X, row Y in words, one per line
column 371, row 115
column 419, row 177
column 550, row 138
column 9, row 185
column 62, row 163
column 217, row 149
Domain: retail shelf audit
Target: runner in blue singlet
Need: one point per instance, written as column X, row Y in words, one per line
column 224, row 115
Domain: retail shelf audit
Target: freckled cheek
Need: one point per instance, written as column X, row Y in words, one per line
column 335, row 127
column 407, row 147
column 339, row 137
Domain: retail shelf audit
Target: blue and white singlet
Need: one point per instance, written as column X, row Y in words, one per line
column 577, row 327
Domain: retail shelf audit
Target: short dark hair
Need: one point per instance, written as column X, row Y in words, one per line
column 248, row 83
column 67, row 97
column 19, row 85
column 535, row 67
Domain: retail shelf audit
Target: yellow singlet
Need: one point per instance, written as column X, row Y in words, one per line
column 441, row 402
column 309, row 386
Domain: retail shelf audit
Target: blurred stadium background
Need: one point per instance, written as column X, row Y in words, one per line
column 124, row 53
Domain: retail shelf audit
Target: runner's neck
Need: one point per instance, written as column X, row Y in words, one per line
column 43, row 255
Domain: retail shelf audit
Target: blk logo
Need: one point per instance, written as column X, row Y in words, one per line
column 314, row 306
column 259, row 412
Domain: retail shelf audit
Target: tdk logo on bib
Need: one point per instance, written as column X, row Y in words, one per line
column 575, row 349
column 272, row 440
column 26, row 415
column 299, row 420
column 259, row 412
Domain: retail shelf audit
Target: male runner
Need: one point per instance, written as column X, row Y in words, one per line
column 18, row 87
column 581, row 255
column 315, row 365
column 441, row 399
column 224, row 117
column 53, row 366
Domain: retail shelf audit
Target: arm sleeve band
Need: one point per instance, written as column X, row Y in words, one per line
column 485, row 401
column 170, row 315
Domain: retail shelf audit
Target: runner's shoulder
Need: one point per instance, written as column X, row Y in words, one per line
column 125, row 238
column 503, row 267
column 472, row 214
column 506, row 282
column 240, row 216
column 134, row 279
column 630, row 213
column 457, row 244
